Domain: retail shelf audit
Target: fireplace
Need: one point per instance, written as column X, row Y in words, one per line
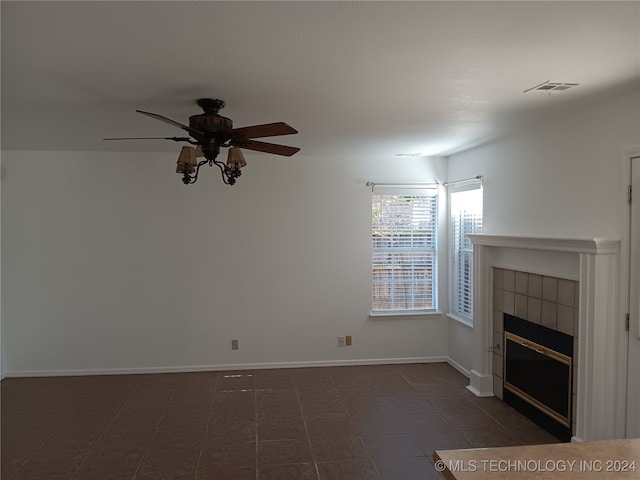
column 538, row 368
column 549, row 267
column 536, row 310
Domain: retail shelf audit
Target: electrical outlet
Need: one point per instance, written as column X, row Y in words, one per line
column 234, row 344
column 347, row 340
column 341, row 341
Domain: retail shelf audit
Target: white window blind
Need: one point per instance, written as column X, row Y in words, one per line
column 466, row 218
column 404, row 236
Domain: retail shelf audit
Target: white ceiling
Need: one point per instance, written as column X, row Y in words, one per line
column 355, row 78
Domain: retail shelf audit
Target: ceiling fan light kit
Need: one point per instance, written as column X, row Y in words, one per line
column 210, row 131
column 235, row 159
column 187, row 160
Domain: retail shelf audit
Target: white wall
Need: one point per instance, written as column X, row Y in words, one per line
column 1, row 324
column 110, row 263
column 564, row 177
column 460, row 345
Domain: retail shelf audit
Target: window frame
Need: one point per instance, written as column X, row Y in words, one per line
column 436, row 250
column 453, row 253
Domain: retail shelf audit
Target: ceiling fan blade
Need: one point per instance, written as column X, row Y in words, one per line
column 266, row 130
column 267, row 147
column 192, row 131
column 175, row 139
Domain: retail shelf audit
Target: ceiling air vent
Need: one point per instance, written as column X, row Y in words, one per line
column 552, row 87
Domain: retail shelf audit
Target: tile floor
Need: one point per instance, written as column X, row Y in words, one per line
column 360, row 422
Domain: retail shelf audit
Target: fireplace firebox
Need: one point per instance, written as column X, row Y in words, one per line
column 538, row 368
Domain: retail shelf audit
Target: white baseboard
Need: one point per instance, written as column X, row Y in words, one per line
column 224, row 367
column 459, row 367
column 480, row 385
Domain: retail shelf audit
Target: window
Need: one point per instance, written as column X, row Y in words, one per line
column 466, row 218
column 404, row 237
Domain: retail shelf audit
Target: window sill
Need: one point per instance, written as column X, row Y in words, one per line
column 415, row 313
column 460, row 320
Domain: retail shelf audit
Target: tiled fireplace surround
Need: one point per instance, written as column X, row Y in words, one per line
column 570, row 285
column 542, row 299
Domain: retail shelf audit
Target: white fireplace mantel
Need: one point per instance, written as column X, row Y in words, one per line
column 595, row 264
column 571, row 245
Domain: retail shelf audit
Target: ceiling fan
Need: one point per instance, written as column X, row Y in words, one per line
column 209, row 131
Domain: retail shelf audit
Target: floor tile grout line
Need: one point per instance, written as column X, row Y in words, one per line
column 43, row 443
column 255, row 418
column 401, row 374
column 206, row 428
column 156, row 430
column 306, row 429
column 31, row 455
column 359, row 434
column 109, row 425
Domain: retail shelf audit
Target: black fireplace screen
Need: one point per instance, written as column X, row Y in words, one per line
column 538, row 371
column 540, row 376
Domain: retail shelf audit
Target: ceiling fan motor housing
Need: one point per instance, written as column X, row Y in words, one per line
column 210, row 124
